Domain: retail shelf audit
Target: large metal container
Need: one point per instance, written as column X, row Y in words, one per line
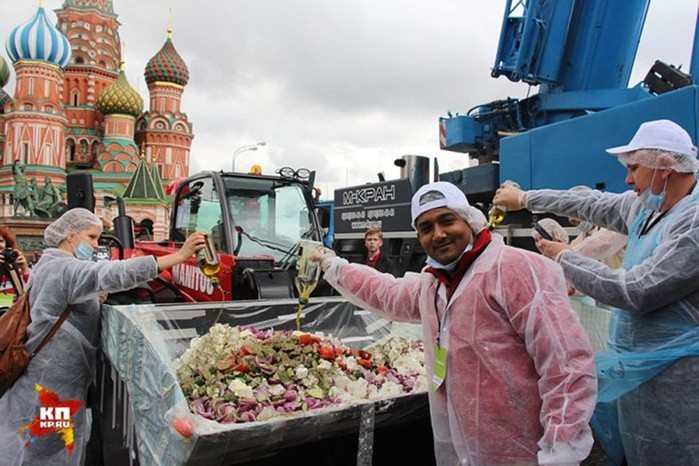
column 139, row 395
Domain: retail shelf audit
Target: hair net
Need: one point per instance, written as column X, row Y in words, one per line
column 660, row 144
column 444, row 194
column 557, row 232
column 72, row 221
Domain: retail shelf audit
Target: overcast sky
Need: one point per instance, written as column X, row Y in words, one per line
column 340, row 87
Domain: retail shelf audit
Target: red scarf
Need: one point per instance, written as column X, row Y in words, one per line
column 372, row 263
column 452, row 279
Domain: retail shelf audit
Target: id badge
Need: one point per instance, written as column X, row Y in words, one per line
column 440, row 367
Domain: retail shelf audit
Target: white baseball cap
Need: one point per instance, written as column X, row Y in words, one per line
column 443, row 194
column 674, row 143
column 659, row 134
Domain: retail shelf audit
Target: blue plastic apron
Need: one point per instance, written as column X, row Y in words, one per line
column 640, row 346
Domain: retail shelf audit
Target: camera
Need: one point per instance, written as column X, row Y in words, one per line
column 10, row 255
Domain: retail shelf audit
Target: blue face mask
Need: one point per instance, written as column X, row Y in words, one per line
column 650, row 200
column 451, row 266
column 83, row 251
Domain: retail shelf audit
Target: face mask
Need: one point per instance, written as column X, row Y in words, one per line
column 451, row 266
column 653, row 201
column 83, row 251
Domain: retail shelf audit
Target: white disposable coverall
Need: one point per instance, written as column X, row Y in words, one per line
column 520, row 373
column 66, row 364
column 653, row 362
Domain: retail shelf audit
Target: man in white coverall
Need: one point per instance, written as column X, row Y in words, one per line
column 512, row 371
column 652, row 367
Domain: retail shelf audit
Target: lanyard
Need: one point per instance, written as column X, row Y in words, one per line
column 648, row 225
column 436, row 310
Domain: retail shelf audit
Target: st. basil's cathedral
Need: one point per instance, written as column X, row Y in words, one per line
column 73, row 109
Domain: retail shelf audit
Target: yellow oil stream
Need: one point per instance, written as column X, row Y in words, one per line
column 305, row 290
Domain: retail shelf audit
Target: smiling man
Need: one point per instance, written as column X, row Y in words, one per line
column 511, row 369
column 651, row 371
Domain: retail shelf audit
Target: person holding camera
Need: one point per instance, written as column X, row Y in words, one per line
column 13, row 267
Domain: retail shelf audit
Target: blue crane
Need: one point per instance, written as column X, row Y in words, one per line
column 580, row 54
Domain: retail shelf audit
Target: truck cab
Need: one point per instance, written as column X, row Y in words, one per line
column 256, row 223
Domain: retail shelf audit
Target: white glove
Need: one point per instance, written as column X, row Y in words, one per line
column 511, row 196
column 325, row 256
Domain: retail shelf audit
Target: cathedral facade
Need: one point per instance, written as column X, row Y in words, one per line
column 73, row 110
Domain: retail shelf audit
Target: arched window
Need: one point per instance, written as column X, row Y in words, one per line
column 70, row 150
column 83, row 149
column 75, row 98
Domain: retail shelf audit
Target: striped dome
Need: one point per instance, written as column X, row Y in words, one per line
column 4, row 72
column 167, row 65
column 4, row 98
column 38, row 39
column 120, row 97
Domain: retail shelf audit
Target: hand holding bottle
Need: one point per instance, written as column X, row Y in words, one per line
column 510, row 196
column 502, row 203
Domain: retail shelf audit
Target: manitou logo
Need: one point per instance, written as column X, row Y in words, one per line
column 192, row 278
column 54, row 418
column 364, row 195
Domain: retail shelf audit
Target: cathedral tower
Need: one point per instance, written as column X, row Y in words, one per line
column 121, row 105
column 164, row 129
column 93, row 31
column 35, row 119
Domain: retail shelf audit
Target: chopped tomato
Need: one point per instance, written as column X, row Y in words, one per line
column 244, row 351
column 326, row 352
column 381, row 370
column 342, row 365
column 365, row 363
column 242, row 367
column 305, row 339
column 364, row 354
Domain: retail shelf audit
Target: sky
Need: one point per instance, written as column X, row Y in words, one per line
column 343, row 88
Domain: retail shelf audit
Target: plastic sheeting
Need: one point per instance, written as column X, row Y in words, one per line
column 141, row 341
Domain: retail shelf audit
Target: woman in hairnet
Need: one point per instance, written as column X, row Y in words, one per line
column 66, row 275
column 511, row 367
column 651, row 371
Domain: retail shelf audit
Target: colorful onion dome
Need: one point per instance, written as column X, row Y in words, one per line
column 4, row 98
column 38, row 39
column 167, row 65
column 4, row 72
column 120, row 97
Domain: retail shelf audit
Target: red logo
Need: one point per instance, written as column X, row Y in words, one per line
column 55, row 416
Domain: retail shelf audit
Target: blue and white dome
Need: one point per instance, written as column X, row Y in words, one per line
column 38, row 39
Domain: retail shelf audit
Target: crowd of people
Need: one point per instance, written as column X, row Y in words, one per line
column 514, row 378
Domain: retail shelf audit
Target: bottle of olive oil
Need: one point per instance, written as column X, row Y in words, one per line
column 208, row 261
column 497, row 213
column 307, row 275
